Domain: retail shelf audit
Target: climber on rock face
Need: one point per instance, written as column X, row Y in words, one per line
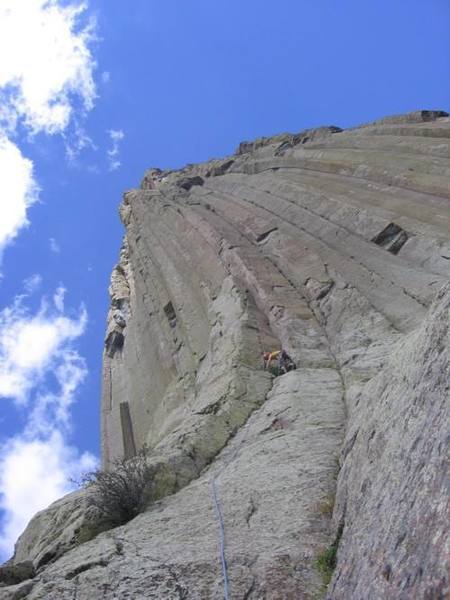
column 268, row 357
column 285, row 363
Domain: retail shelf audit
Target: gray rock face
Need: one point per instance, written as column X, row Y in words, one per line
column 334, row 245
column 403, row 507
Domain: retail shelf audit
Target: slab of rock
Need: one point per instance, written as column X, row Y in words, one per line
column 394, row 484
column 273, row 482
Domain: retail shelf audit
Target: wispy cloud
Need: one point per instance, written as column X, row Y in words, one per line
column 54, row 246
column 58, row 298
column 113, row 153
column 32, row 283
column 41, row 370
column 76, row 141
column 46, row 74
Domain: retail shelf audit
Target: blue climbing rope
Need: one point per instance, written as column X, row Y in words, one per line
column 217, row 510
column 223, row 559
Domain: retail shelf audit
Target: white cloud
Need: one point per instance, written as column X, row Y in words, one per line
column 77, row 141
column 58, row 298
column 105, row 76
column 31, row 346
column 116, row 136
column 46, row 84
column 32, row 283
column 54, row 246
column 46, row 74
column 46, row 61
column 40, row 369
column 52, row 409
column 33, row 473
column 19, row 190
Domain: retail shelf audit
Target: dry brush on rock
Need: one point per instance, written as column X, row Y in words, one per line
column 123, row 491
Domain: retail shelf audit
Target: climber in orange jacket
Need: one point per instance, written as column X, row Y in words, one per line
column 268, row 357
column 284, row 361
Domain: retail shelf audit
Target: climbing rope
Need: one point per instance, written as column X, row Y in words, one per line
column 215, row 498
column 219, row 518
column 218, row 512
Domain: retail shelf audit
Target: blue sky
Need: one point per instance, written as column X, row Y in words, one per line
column 92, row 94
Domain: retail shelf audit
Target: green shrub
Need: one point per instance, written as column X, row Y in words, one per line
column 326, row 561
column 123, row 492
column 274, row 370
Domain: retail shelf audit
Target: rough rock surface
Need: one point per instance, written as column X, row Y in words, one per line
column 396, row 541
column 334, row 245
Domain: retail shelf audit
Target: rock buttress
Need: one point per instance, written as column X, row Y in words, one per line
column 333, row 245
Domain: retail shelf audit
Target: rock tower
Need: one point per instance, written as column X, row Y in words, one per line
column 335, row 246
